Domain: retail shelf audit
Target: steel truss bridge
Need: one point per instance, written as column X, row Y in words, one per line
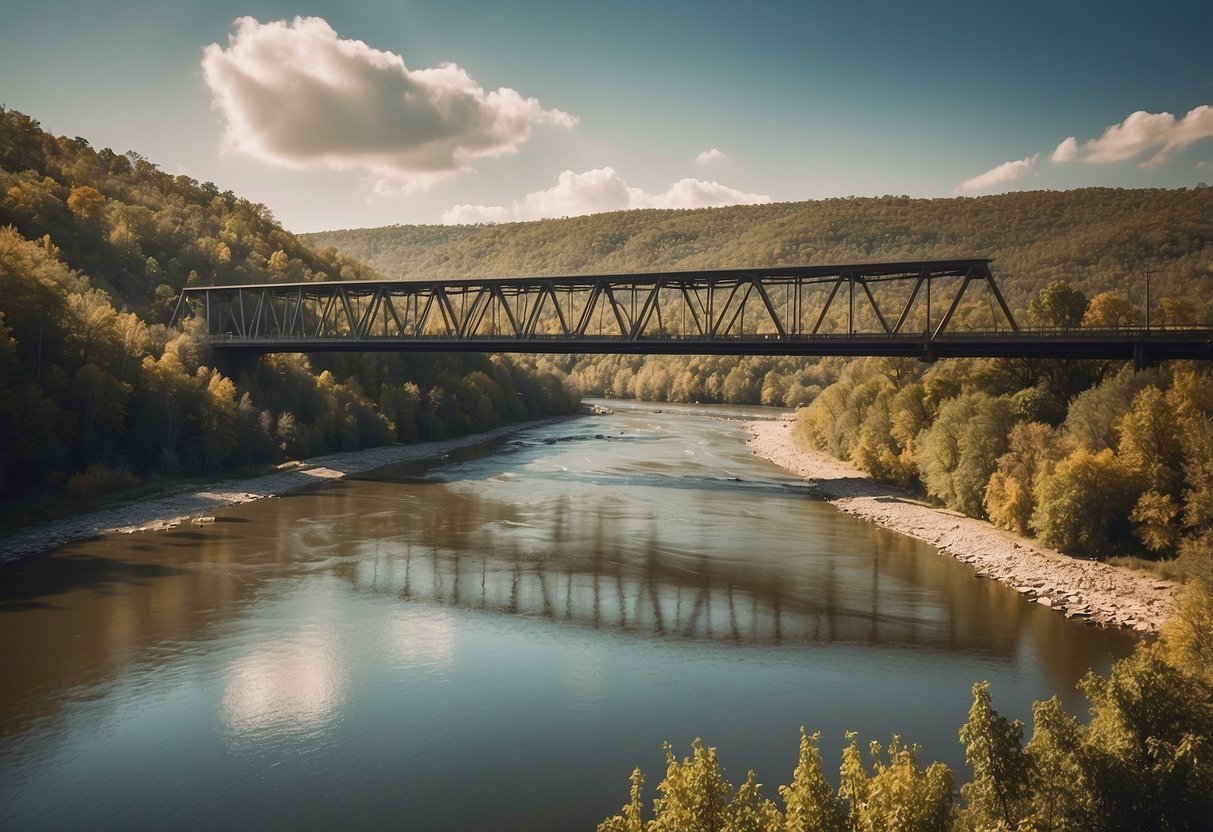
column 928, row 310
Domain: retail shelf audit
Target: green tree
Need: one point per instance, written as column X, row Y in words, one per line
column 960, row 450
column 895, row 794
column 1148, row 744
column 750, row 811
column 996, row 796
column 1111, row 309
column 1083, row 506
column 1154, row 519
column 810, row 804
column 1093, row 414
column 1032, row 450
column 1187, row 637
column 86, row 204
column 631, row 817
column 1058, row 304
column 1150, row 441
column 1059, row 788
column 694, row 793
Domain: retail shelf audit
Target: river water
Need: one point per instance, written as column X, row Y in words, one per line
column 494, row 641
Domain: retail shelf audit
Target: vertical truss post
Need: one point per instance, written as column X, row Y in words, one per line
column 349, row 314
column 850, row 278
column 928, row 330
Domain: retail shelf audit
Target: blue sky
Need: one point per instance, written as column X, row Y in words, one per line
column 340, row 115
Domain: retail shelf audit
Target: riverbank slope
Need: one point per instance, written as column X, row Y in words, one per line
column 194, row 501
column 1096, row 592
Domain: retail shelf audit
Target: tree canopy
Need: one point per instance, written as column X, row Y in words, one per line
column 97, row 395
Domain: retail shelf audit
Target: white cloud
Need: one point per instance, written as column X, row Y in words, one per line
column 707, row 157
column 1006, row 172
column 1139, row 133
column 1066, row 151
column 602, row 189
column 694, row 193
column 297, row 95
column 476, row 214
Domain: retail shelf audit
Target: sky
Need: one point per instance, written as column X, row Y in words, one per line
column 348, row 115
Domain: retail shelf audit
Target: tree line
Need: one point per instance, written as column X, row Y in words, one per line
column 1093, row 457
column 1093, row 239
column 97, row 395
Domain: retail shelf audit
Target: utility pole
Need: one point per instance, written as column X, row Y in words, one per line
column 1148, row 273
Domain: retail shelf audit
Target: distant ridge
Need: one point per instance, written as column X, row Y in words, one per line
column 1097, row 239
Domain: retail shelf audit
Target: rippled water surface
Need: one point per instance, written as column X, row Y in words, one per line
column 494, row 641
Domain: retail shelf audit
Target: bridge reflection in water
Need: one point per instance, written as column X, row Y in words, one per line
column 876, row 588
column 650, row 598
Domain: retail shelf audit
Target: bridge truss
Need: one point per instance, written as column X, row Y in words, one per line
column 928, row 309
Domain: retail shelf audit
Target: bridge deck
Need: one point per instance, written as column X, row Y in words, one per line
column 1136, row 344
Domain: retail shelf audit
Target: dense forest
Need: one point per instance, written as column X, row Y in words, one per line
column 97, row 396
column 1095, row 458
column 1142, row 761
column 1096, row 239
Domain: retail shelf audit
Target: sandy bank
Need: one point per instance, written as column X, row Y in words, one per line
column 1096, row 592
column 165, row 510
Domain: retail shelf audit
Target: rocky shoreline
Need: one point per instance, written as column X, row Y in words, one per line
column 1095, row 592
column 196, row 501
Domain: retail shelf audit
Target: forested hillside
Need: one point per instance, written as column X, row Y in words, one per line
column 1097, row 239
column 96, row 395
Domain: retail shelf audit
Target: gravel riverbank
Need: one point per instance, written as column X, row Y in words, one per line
column 1095, row 592
column 194, row 501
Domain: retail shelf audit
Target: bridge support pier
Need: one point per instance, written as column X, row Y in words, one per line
column 1142, row 360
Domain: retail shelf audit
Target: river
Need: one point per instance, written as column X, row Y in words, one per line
column 494, row 641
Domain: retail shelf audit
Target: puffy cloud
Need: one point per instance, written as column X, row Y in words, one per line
column 1139, row 133
column 476, row 214
column 602, row 189
column 1006, row 172
column 694, row 193
column 1066, row 151
column 577, row 193
column 707, row 157
column 297, row 95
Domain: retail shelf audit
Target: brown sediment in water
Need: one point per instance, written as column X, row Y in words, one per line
column 1095, row 592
